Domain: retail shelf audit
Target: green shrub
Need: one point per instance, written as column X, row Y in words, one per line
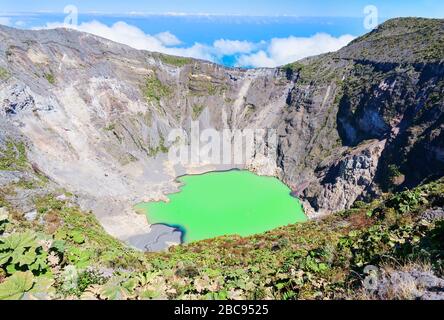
column 88, row 278
column 197, row 111
column 50, row 78
column 110, row 127
column 161, row 148
column 4, row 74
column 175, row 61
column 154, row 90
column 13, row 157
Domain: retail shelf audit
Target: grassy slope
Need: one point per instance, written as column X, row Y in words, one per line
column 400, row 40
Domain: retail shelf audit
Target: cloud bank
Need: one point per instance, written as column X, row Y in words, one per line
column 272, row 53
column 281, row 51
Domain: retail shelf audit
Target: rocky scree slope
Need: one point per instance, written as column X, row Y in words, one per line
column 94, row 116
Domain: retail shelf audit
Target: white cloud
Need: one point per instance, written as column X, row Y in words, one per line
column 134, row 37
column 281, row 51
column 278, row 51
column 168, row 39
column 230, row 47
column 20, row 23
column 119, row 32
column 257, row 59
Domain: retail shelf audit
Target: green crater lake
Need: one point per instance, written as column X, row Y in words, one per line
column 226, row 203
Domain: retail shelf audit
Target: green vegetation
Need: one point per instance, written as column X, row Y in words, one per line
column 249, row 110
column 212, row 89
column 294, row 66
column 197, row 111
column 394, row 176
column 433, row 99
column 201, row 89
column 110, row 127
column 161, row 148
column 202, row 85
column 403, row 39
column 322, row 69
column 26, row 184
column 75, row 228
column 42, row 258
column 13, row 156
column 175, row 61
column 50, row 78
column 4, row 74
column 154, row 90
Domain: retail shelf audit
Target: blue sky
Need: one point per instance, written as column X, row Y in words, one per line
column 253, row 33
column 387, row 8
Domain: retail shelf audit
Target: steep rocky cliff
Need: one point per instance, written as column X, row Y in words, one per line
column 368, row 117
column 94, row 116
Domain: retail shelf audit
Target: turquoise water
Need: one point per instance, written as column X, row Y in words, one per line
column 226, row 203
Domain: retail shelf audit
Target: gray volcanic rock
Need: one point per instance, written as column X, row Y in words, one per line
column 433, row 214
column 413, row 284
column 345, row 180
column 95, row 116
column 159, row 239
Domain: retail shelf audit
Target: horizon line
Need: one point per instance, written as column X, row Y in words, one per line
column 189, row 14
